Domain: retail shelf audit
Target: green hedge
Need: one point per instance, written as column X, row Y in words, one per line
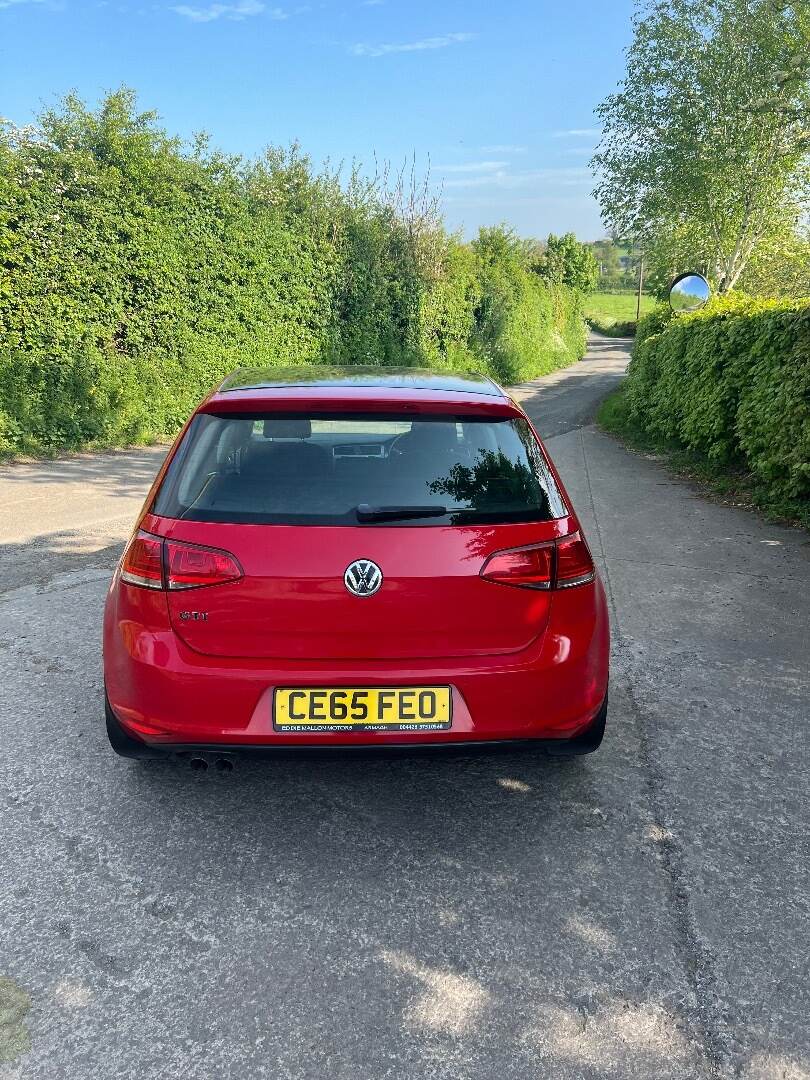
column 135, row 273
column 731, row 382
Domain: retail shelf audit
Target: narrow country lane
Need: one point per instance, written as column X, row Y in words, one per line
column 641, row 913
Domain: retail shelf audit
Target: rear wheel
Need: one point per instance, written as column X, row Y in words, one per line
column 124, row 744
column 586, row 742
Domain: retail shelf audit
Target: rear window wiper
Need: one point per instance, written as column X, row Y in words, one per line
column 397, row 513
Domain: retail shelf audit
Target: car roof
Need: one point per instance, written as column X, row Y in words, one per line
column 324, row 378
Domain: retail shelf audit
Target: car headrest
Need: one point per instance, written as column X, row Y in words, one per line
column 232, row 442
column 287, row 427
column 426, row 435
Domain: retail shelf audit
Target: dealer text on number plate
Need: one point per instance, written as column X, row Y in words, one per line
column 378, row 708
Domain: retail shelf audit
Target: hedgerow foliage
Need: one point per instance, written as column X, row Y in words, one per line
column 732, row 382
column 135, row 272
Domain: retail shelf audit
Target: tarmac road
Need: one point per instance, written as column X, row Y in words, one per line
column 642, row 913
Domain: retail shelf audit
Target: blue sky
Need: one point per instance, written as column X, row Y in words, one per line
column 498, row 97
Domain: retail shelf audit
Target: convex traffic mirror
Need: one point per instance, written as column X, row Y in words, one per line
column 689, row 292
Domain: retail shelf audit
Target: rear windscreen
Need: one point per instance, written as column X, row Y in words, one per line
column 357, row 469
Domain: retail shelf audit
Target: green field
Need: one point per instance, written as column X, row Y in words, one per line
column 605, row 310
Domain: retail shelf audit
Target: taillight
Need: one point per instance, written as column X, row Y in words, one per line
column 190, row 567
column 142, row 563
column 531, row 567
column 556, row 564
column 186, row 565
column 574, row 562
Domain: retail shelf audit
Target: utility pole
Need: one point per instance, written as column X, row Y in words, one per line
column 640, row 286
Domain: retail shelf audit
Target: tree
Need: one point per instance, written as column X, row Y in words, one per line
column 708, row 136
column 566, row 261
column 780, row 266
column 606, row 254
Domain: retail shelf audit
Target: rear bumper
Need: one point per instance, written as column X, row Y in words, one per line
column 129, row 745
column 167, row 696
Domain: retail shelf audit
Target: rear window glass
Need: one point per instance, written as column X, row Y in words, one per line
column 358, row 470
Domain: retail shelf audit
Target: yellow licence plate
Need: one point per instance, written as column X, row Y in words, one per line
column 364, row 708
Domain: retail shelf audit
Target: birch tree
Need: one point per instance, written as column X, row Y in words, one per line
column 708, row 136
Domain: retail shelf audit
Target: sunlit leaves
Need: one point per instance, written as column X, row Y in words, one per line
column 707, row 137
column 566, row 261
column 733, row 383
column 135, row 271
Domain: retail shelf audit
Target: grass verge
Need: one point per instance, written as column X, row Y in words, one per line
column 614, row 314
column 731, row 485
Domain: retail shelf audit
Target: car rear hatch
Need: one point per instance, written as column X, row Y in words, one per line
column 293, row 602
column 296, row 501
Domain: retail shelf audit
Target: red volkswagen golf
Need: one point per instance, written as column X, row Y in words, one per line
column 355, row 557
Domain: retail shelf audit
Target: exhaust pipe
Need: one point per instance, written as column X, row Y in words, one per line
column 200, row 762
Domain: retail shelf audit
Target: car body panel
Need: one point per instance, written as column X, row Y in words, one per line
column 200, row 666
column 292, row 601
column 166, row 692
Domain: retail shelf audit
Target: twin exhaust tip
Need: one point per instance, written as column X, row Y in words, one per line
column 201, row 762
